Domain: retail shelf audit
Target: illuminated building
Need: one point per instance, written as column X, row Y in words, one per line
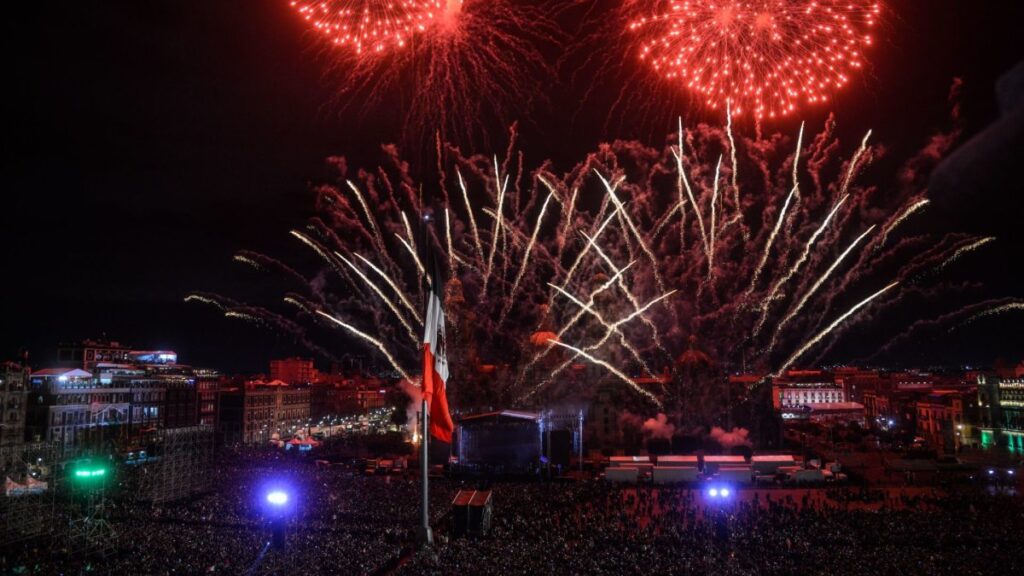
column 940, row 419
column 207, row 390
column 88, row 353
column 258, row 411
column 69, row 406
column 294, row 371
column 805, row 388
column 856, row 381
column 347, row 396
column 13, row 397
column 1001, row 412
column 146, row 390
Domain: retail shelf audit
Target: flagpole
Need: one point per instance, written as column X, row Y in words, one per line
column 424, row 536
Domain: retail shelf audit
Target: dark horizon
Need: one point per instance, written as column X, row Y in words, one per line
column 153, row 140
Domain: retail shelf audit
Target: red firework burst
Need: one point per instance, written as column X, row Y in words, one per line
column 370, row 26
column 763, row 57
column 450, row 67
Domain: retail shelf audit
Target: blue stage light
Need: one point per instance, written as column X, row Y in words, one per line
column 277, row 498
column 713, row 492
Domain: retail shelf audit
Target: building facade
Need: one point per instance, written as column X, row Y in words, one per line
column 13, row 401
column 294, row 371
column 73, row 408
column 940, row 420
column 259, row 412
column 798, row 388
column 1001, row 412
column 146, row 390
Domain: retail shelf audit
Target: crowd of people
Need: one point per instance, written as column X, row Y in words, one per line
column 345, row 521
column 596, row 528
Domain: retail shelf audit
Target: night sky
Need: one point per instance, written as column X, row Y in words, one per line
column 149, row 141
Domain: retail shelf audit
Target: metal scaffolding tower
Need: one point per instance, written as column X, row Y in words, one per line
column 28, row 502
column 175, row 465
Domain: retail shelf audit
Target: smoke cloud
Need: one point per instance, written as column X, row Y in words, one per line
column 659, row 427
column 415, row 394
column 738, row 437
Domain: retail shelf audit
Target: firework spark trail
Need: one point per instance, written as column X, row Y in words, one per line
column 611, row 369
column 714, row 201
column 380, row 293
column 899, row 220
column 738, row 218
column 265, row 263
column 298, row 304
column 1002, row 309
column 448, row 239
column 766, row 304
column 600, row 319
column 632, row 228
column 526, row 255
column 814, row 288
column 817, row 338
column 205, row 300
column 398, row 291
column 572, row 321
column 590, row 300
column 972, row 312
column 408, row 229
column 569, row 213
column 963, row 250
column 853, row 163
column 322, row 253
column 579, row 257
column 415, row 258
column 609, row 331
column 782, row 214
column 377, row 343
column 683, row 183
column 411, row 247
column 472, row 219
column 248, row 261
column 629, row 295
column 369, row 216
column 501, row 186
column 660, row 225
column 239, row 315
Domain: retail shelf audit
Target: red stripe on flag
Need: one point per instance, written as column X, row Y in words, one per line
column 441, row 425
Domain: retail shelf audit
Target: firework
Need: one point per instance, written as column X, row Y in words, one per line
column 759, row 57
column 369, row 27
column 549, row 271
column 467, row 59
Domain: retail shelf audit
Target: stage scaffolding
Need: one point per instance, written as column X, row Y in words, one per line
column 28, row 511
column 567, row 420
column 176, row 464
column 89, row 532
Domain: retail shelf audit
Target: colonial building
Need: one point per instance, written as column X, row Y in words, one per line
column 798, row 388
column 940, row 419
column 144, row 390
column 1001, row 412
column 71, row 406
column 257, row 411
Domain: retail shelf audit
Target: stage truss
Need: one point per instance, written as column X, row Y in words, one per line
column 28, row 513
column 176, row 464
